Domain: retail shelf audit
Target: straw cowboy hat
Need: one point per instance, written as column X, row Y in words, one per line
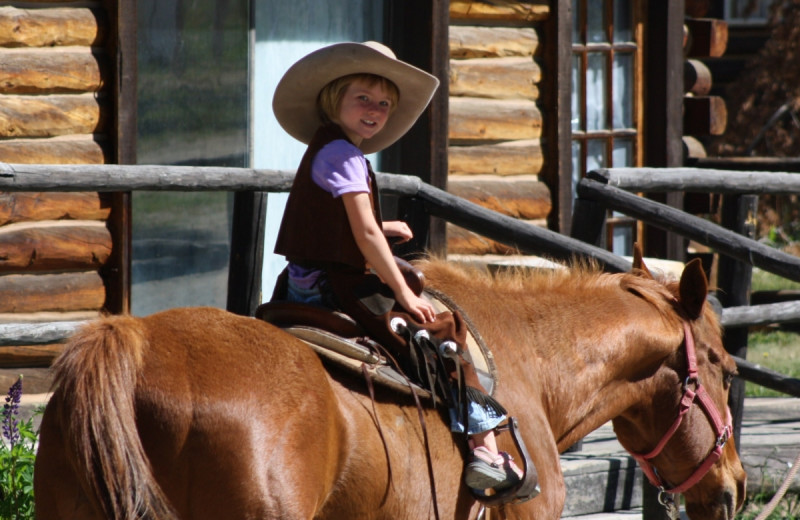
column 295, row 101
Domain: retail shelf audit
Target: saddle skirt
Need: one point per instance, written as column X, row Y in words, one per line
column 337, row 338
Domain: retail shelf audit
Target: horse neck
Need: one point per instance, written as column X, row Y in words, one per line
column 587, row 357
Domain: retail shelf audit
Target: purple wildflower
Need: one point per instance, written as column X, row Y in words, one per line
column 11, row 412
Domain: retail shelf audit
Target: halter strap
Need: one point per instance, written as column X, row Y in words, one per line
column 722, row 430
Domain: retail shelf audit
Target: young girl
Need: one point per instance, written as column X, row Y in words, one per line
column 344, row 101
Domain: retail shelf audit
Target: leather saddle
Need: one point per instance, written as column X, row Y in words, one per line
column 338, row 338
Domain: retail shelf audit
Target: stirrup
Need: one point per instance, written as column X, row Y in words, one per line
column 526, row 489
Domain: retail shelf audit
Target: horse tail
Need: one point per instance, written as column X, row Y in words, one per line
column 96, row 378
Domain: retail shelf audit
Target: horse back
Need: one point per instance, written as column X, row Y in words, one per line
column 212, row 414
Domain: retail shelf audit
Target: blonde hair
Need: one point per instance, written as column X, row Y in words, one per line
column 329, row 99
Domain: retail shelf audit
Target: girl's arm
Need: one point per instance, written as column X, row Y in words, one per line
column 373, row 245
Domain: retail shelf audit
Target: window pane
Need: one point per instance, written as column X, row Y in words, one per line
column 596, row 91
column 595, row 154
column 623, row 25
column 193, row 106
column 622, row 91
column 577, row 171
column 577, row 36
column 623, row 153
column 596, row 21
column 622, row 240
column 577, row 93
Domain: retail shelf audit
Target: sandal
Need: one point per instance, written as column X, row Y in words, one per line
column 488, row 470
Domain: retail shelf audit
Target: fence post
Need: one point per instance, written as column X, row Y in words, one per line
column 588, row 221
column 733, row 282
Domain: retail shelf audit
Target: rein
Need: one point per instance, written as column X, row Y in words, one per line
column 693, row 391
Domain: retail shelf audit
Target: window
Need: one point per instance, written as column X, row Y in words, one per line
column 606, row 129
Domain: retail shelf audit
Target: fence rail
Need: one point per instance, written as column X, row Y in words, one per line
column 608, row 187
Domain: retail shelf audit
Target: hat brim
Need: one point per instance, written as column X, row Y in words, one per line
column 295, row 99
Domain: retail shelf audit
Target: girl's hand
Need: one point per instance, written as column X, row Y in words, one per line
column 397, row 229
column 418, row 307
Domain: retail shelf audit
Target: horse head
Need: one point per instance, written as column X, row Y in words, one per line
column 681, row 434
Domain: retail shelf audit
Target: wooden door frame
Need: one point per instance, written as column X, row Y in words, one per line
column 121, row 48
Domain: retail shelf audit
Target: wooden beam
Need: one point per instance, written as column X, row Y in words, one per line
column 701, row 230
column 477, row 119
column 521, row 196
column 663, row 106
column 49, row 116
column 76, row 149
column 492, row 42
column 63, row 292
column 497, row 78
column 50, row 70
column 32, row 206
column 708, row 37
column 696, row 78
column 507, row 158
column 29, row 355
column 499, row 10
column 704, row 115
column 50, row 27
column 54, row 245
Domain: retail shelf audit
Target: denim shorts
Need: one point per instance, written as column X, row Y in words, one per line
column 311, row 296
column 479, row 419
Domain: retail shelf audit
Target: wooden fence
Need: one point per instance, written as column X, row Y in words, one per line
column 608, row 188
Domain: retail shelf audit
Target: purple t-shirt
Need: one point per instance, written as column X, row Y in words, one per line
column 338, row 168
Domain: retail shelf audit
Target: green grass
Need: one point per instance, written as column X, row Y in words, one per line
column 778, row 350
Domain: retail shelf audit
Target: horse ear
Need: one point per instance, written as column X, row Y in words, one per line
column 638, row 262
column 693, row 288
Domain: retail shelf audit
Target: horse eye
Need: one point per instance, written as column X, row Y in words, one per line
column 727, row 379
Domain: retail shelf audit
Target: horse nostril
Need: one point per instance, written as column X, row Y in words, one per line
column 729, row 504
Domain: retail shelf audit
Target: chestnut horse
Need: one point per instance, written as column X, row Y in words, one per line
column 196, row 413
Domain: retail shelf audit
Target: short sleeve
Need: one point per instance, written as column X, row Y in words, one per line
column 339, row 168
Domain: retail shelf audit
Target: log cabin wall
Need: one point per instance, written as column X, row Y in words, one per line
column 495, row 126
column 54, row 109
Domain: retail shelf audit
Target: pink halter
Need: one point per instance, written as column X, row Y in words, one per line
column 722, row 430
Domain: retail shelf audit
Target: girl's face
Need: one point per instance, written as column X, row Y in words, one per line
column 364, row 110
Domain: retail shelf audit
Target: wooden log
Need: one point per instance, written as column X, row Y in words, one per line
column 693, row 148
column 700, row 230
column 707, row 180
column 475, row 119
column 51, row 292
column 704, row 115
column 26, row 206
column 54, row 245
column 50, row 27
column 517, row 234
column 70, row 149
column 115, row 177
column 50, row 70
column 523, row 196
column 20, row 334
column 461, row 241
column 509, row 158
column 697, row 8
column 696, row 77
column 499, row 78
column 49, row 116
column 763, row 314
column 45, row 317
column 767, row 378
column 492, row 42
column 29, row 355
column 499, row 10
column 708, row 37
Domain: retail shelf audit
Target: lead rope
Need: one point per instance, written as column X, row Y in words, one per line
column 770, row 507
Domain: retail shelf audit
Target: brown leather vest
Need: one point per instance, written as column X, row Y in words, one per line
column 315, row 231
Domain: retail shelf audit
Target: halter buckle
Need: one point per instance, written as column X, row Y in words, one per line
column 724, row 436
